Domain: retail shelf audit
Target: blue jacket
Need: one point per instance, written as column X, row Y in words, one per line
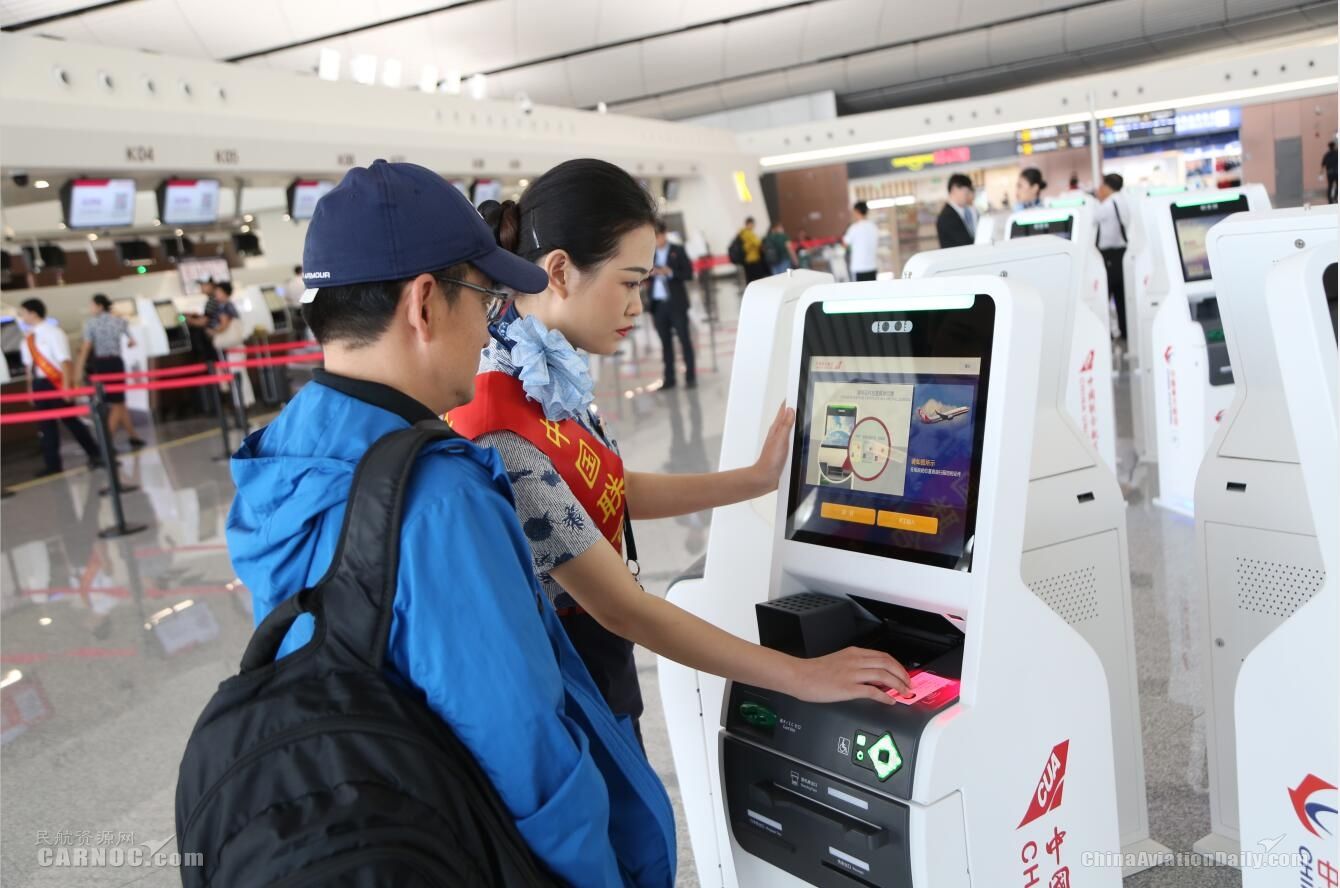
column 470, row 630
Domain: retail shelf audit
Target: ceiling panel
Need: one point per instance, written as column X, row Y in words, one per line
column 216, row 24
column 754, row 90
column 72, row 29
column 159, row 27
column 1162, row 17
column 621, row 20
column 1271, row 24
column 1104, row 24
column 1246, row 8
column 640, row 108
column 474, row 38
column 806, row 79
column 692, row 102
column 13, row 12
column 686, row 59
column 839, row 27
column 698, row 11
column 545, row 28
column 951, row 55
column 764, row 42
column 606, row 76
column 545, row 84
column 875, row 69
column 1033, row 39
column 912, row 19
column 985, row 11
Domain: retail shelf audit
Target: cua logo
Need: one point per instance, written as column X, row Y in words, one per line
column 1088, row 363
column 1047, row 796
column 1309, row 812
column 1167, row 355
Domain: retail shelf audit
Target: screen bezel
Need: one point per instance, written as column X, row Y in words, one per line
column 1018, row 228
column 67, row 196
column 161, row 193
column 291, row 194
column 1197, row 210
column 850, row 331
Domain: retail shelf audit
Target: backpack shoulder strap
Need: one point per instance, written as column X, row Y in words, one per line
column 352, row 602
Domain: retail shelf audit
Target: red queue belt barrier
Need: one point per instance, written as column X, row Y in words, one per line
column 185, row 370
column 45, row 415
column 60, row 394
column 277, row 361
column 165, row 384
column 271, row 349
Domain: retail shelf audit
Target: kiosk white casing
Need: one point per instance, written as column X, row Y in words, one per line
column 1076, row 557
column 1187, row 406
column 1287, row 758
column 979, row 761
column 1089, row 365
column 1257, row 554
column 1145, row 278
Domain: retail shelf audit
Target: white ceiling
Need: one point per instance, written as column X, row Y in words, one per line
column 686, row 57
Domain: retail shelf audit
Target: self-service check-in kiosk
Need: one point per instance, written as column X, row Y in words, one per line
column 899, row 526
column 1257, row 557
column 263, row 309
column 1287, row 724
column 176, row 335
column 1076, row 557
column 1192, row 374
column 1144, row 276
column 1088, row 388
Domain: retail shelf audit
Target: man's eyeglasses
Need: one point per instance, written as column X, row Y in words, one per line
column 495, row 298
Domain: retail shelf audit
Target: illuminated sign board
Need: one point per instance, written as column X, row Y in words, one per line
column 1042, row 139
column 1137, row 127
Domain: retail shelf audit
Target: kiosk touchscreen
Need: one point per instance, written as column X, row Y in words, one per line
column 1192, row 372
column 1088, row 388
column 11, row 342
column 280, row 320
column 918, row 555
column 1287, row 724
column 1257, row 557
column 174, row 326
column 1076, row 556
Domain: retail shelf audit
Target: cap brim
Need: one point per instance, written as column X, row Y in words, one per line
column 512, row 271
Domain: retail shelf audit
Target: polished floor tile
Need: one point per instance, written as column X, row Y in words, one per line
column 110, row 648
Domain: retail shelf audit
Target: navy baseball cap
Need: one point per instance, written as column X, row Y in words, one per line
column 392, row 221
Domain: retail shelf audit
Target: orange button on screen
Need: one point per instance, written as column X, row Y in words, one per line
column 854, row 514
column 914, row 523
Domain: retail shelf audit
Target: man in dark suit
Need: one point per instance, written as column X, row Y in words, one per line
column 668, row 295
column 957, row 225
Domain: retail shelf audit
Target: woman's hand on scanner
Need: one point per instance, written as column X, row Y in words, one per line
column 771, row 461
column 850, row 674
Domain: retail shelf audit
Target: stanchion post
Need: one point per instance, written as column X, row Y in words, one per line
column 99, row 416
column 223, row 416
column 239, row 400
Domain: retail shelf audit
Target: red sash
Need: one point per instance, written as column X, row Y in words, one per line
column 40, row 361
column 592, row 470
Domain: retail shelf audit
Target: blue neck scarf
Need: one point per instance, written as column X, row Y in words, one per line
column 551, row 371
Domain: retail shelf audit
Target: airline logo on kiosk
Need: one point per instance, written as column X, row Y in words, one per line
column 1309, row 812
column 1047, row 796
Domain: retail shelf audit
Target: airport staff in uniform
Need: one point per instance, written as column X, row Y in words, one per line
column 46, row 355
column 862, row 240
column 590, row 225
column 957, row 225
column 669, row 294
column 101, row 353
column 1112, row 242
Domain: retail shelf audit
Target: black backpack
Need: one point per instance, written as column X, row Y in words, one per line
column 735, row 252
column 318, row 768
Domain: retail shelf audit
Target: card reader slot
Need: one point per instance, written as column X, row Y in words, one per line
column 852, row 829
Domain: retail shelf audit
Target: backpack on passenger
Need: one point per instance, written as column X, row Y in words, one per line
column 320, row 768
column 735, row 252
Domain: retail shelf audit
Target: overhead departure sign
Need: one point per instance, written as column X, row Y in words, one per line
column 943, row 157
column 1138, row 127
column 1042, row 139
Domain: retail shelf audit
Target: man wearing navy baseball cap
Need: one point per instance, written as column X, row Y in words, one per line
column 403, row 277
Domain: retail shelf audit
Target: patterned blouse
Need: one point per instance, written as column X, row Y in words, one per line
column 555, row 523
column 105, row 330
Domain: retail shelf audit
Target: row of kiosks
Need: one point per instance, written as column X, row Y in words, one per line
column 1286, row 709
column 1258, row 556
column 1076, row 557
column 1088, row 385
column 918, row 553
column 1191, row 372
